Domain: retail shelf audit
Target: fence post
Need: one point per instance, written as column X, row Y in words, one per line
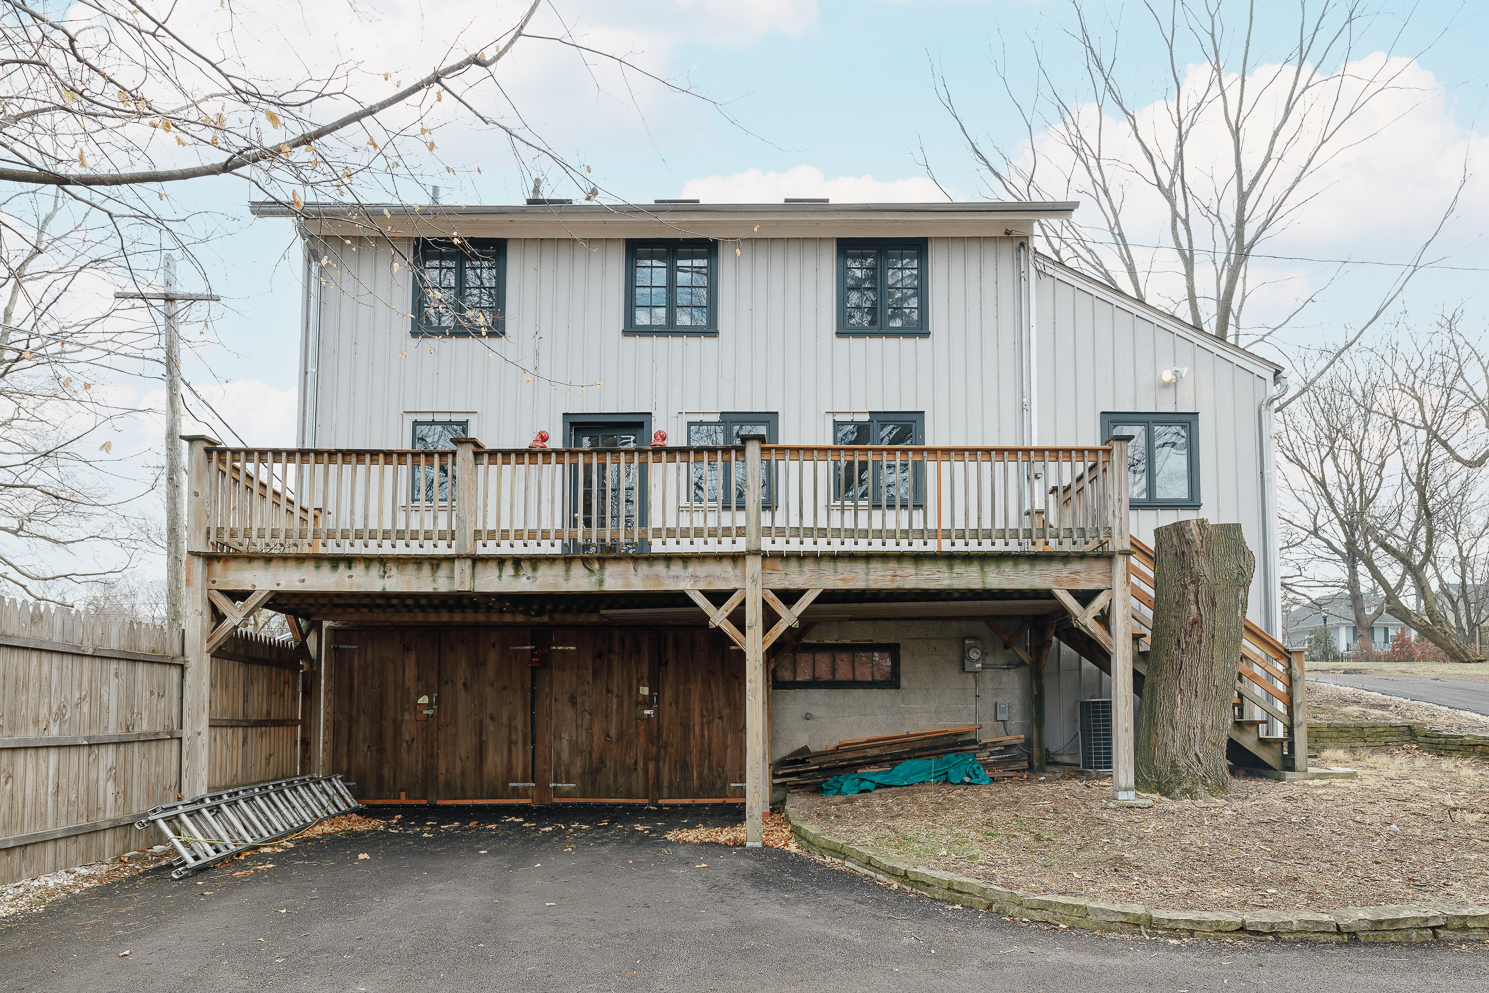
column 1124, row 771
column 1297, row 709
column 757, row 720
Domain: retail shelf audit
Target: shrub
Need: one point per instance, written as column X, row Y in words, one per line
column 1322, row 647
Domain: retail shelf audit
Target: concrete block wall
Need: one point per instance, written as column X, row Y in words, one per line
column 934, row 691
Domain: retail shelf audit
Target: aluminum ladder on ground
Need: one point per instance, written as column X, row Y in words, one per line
column 214, row 826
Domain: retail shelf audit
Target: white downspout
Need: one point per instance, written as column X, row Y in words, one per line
column 1271, row 577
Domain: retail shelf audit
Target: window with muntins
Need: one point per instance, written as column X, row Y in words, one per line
column 839, row 667
column 877, row 481
column 672, row 287
column 726, row 431
column 460, row 286
column 430, row 484
column 1162, row 458
column 882, row 287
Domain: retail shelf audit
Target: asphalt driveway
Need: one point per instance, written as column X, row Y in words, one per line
column 1460, row 694
column 614, row 906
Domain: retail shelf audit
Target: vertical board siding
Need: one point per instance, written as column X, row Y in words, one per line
column 776, row 350
column 1094, row 355
column 55, row 693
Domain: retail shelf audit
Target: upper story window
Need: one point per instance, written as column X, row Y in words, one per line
column 875, row 480
column 672, row 287
column 1162, row 458
column 460, row 286
column 727, row 430
column 882, row 287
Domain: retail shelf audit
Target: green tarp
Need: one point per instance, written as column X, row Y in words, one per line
column 946, row 769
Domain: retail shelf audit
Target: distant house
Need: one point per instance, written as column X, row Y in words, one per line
column 1335, row 617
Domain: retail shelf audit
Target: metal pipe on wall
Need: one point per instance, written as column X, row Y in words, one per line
column 1271, row 580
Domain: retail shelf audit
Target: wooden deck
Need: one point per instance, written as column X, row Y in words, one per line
column 771, row 526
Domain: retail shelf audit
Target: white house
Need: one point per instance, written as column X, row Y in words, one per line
column 928, row 330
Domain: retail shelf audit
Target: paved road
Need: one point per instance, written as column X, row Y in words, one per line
column 615, row 908
column 1460, row 694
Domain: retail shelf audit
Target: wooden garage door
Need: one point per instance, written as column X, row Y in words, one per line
column 700, row 715
column 380, row 733
column 602, row 713
column 484, row 714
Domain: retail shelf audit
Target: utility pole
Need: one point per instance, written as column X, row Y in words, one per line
column 175, row 467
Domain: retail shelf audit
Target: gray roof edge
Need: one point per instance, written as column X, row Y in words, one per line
column 272, row 208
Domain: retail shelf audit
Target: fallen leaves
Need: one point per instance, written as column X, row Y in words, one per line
column 364, row 855
column 777, row 835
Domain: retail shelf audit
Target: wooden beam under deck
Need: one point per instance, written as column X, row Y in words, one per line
column 655, row 573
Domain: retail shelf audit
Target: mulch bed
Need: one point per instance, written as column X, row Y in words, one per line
column 1411, row 829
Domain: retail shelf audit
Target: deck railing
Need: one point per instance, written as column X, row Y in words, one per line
column 815, row 499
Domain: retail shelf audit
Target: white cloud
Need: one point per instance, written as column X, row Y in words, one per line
column 262, row 413
column 755, row 186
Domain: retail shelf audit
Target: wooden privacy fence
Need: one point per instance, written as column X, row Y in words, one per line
column 818, row 499
column 90, row 729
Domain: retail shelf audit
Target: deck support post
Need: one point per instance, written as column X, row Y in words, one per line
column 1119, row 612
column 1042, row 639
column 1297, row 709
column 757, row 719
column 196, row 679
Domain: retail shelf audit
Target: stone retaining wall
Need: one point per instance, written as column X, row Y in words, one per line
column 1376, row 736
column 1367, row 924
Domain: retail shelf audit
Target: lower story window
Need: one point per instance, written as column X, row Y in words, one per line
column 841, row 667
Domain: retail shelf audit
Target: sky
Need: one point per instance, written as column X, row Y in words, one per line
column 825, row 98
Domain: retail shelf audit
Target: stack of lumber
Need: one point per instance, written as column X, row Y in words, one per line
column 1000, row 757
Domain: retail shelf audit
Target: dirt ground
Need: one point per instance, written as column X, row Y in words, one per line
column 35, row 893
column 1411, row 828
column 1478, row 672
column 1330, row 704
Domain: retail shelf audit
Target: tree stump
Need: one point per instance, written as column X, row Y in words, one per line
column 1201, row 580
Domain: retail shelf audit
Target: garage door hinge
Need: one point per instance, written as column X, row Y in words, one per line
column 522, row 784
column 562, row 784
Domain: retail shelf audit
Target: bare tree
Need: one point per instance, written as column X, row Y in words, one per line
column 110, row 112
column 1257, row 106
column 1383, row 497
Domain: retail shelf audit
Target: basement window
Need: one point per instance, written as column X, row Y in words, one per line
column 838, row 667
column 460, row 287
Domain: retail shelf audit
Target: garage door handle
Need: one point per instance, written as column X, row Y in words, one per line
column 522, row 784
column 551, row 785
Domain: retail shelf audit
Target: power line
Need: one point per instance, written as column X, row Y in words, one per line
column 1299, row 258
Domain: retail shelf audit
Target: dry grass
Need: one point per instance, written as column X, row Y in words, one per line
column 1331, row 704
column 1412, row 828
column 1478, row 672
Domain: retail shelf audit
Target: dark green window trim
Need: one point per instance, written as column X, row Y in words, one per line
column 455, row 259
column 882, row 247
column 669, row 292
column 866, row 480
column 730, row 421
column 1144, row 426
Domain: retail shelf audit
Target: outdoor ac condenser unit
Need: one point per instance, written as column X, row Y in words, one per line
column 1096, row 735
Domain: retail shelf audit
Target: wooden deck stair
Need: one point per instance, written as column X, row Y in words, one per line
column 1266, row 674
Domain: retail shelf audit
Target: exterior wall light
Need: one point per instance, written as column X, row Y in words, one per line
column 1171, row 376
